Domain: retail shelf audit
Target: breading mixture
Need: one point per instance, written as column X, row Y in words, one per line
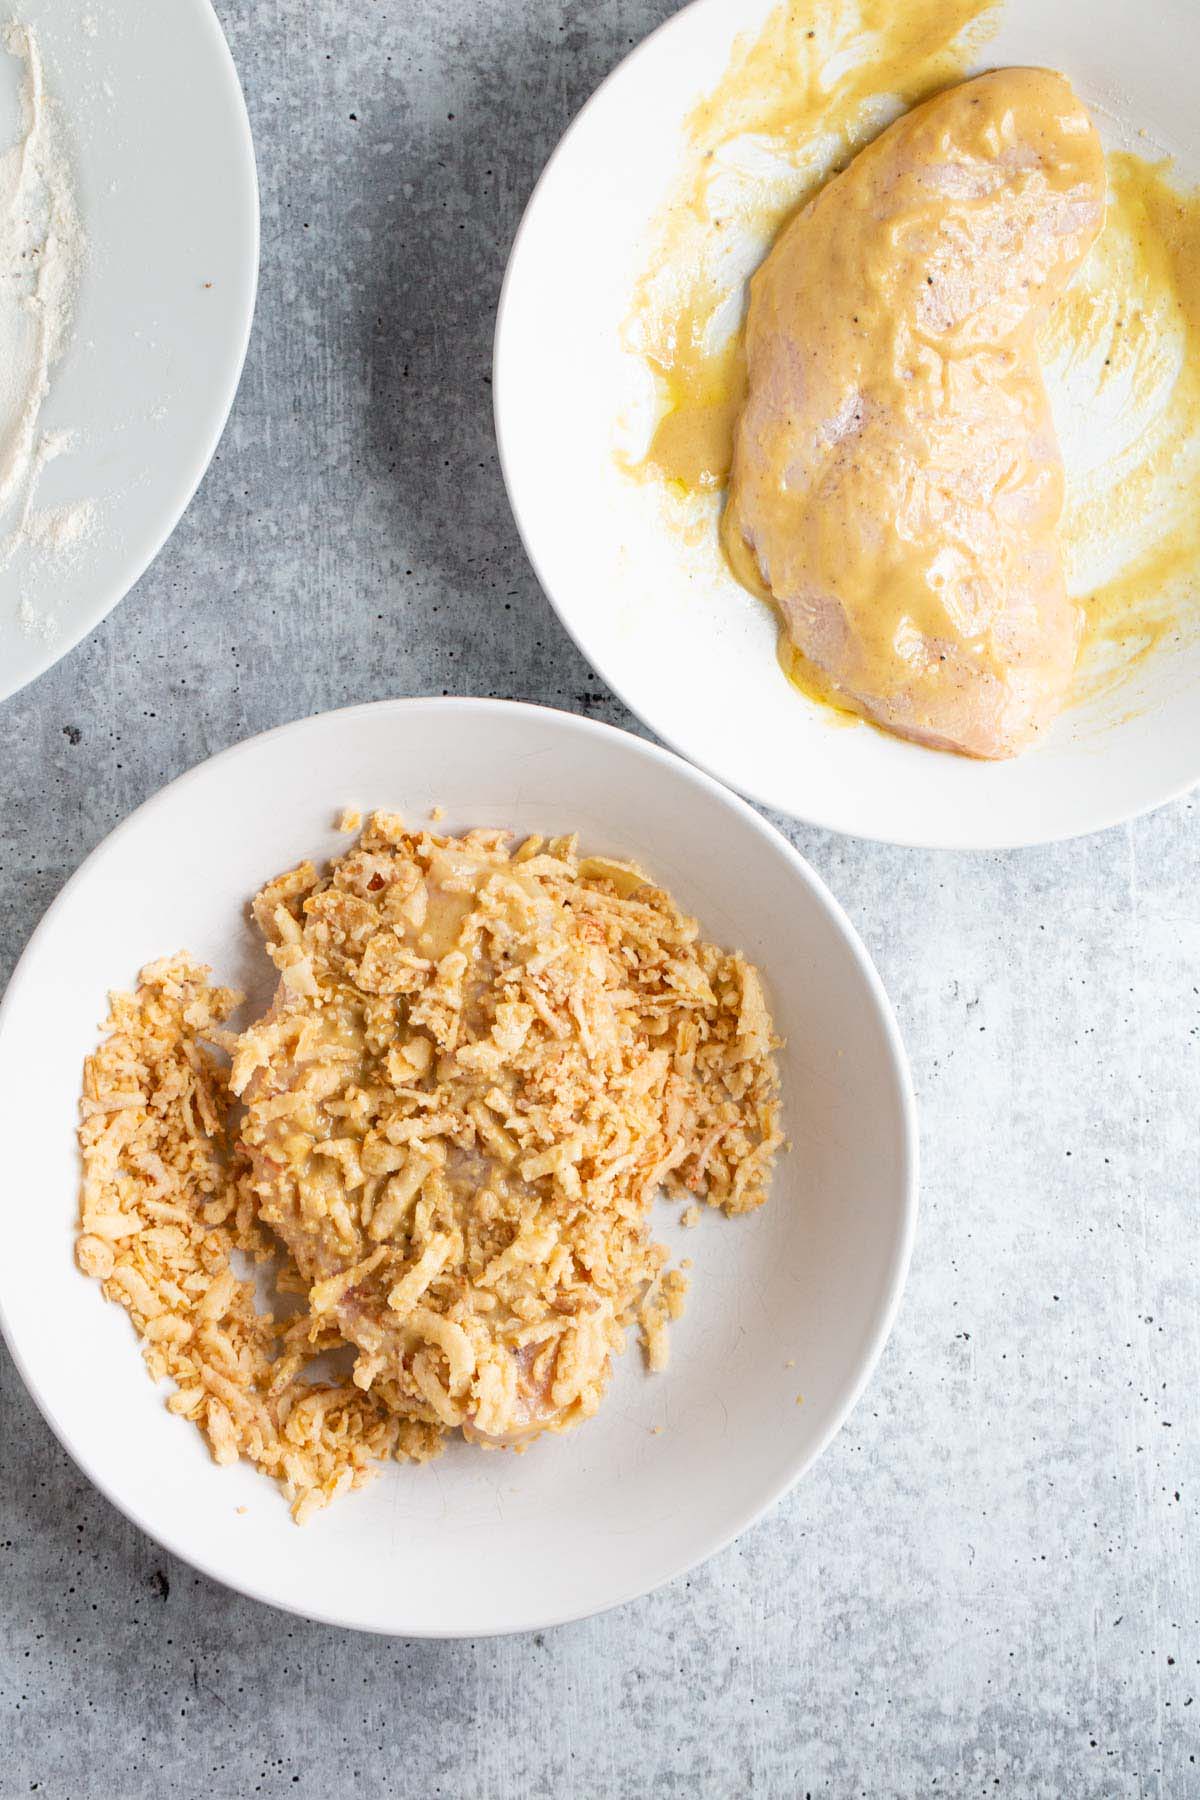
column 479, row 1070
column 162, row 1211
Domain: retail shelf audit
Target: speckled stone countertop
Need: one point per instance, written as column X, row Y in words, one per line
column 989, row 1584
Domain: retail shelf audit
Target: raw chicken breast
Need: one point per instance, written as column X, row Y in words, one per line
column 897, row 486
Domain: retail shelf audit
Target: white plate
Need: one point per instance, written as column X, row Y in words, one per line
column 479, row 1542
column 156, row 128
column 694, row 656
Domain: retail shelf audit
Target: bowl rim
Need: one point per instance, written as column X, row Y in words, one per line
column 874, row 990
column 1102, row 816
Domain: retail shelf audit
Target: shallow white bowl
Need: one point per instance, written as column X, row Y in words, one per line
column 694, row 656
column 795, row 1299
column 164, row 169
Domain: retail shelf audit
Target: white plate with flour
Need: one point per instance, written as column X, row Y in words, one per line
column 638, row 579
column 129, row 243
column 793, row 1300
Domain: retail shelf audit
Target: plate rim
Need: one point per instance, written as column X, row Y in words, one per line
column 1102, row 818
column 47, row 657
column 548, row 1617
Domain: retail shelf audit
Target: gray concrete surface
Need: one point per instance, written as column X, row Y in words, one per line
column 989, row 1585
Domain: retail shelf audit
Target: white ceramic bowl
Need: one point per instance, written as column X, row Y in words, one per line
column 164, row 168
column 795, row 1299
column 682, row 644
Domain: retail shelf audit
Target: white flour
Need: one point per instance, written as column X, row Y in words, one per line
column 41, row 257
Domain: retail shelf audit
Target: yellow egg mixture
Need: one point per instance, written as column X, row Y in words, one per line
column 1120, row 349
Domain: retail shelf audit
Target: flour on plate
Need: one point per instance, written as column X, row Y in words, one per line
column 42, row 251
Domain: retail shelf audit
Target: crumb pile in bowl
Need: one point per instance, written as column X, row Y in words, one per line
column 480, row 1068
